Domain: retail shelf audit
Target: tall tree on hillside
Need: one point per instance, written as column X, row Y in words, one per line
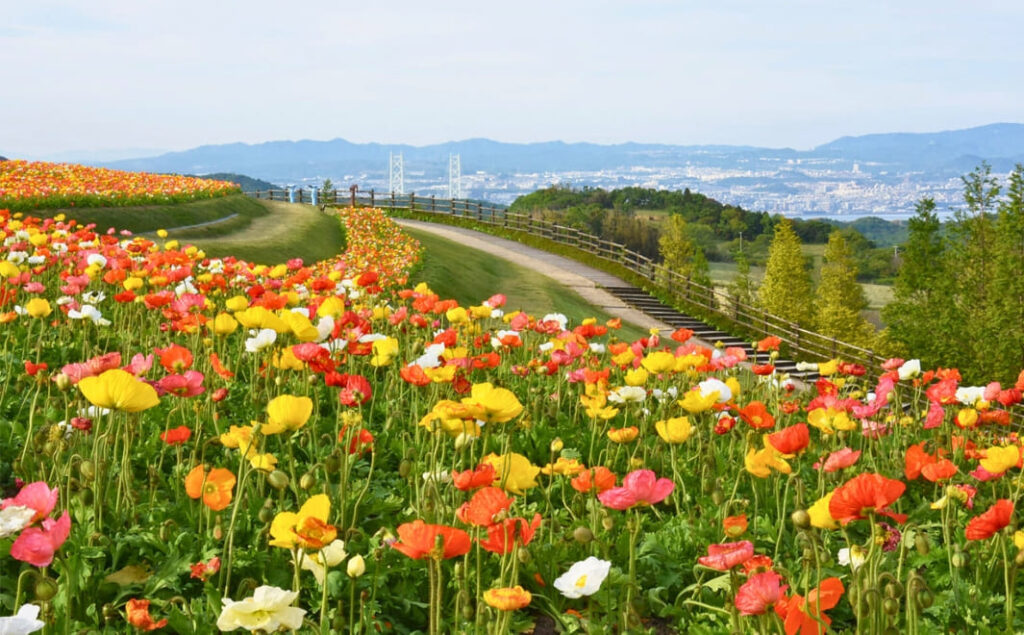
column 973, row 241
column 742, row 289
column 786, row 289
column 679, row 253
column 839, row 299
column 1008, row 347
column 922, row 305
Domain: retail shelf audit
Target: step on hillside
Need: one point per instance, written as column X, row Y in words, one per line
column 645, row 302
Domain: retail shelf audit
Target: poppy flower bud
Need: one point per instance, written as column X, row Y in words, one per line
column 45, row 589
column 608, row 523
column 556, row 446
column 219, row 395
column 1019, row 559
column 891, row 606
column 356, row 566
column 523, row 554
column 583, row 535
column 404, row 468
column 87, row 470
column 86, row 496
column 110, row 613
column 333, row 462
column 218, row 533
column 801, row 519
column 278, row 480
column 307, row 481
column 921, row 543
column 63, row 381
column 468, row 612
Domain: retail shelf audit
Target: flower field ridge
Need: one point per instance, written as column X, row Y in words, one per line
column 28, row 185
column 198, row 445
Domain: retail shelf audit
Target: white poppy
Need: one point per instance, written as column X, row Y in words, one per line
column 583, row 578
column 268, row 610
column 26, row 621
column 13, row 519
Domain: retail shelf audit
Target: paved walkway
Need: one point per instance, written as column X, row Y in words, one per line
column 584, row 280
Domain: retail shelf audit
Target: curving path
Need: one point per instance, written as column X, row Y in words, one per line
column 586, row 281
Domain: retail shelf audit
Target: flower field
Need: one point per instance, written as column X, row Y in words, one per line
column 28, row 185
column 195, row 444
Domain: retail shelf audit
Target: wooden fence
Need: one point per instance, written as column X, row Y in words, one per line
column 703, row 300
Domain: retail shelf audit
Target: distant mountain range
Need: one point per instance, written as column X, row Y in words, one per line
column 952, row 152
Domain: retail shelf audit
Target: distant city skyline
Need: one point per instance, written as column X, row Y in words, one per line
column 117, row 74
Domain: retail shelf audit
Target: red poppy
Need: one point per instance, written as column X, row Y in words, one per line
column 791, row 440
column 176, row 436
column 763, row 369
column 986, row 524
column 502, row 537
column 802, row 615
column 219, row 368
column 355, row 389
column 864, row 494
column 418, row 540
column 727, row 555
column 362, row 440
column 413, row 374
column 759, row 593
column 33, row 369
column 467, row 480
column 756, row 414
column 485, row 504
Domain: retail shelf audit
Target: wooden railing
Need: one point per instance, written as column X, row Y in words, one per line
column 705, row 301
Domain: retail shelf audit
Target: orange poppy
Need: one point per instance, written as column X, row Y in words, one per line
column 802, row 615
column 485, row 504
column 864, row 494
column 756, row 414
column 219, row 367
column 175, row 358
column 214, row 487
column 791, row 440
column 507, row 599
column 502, row 537
column 137, row 614
column 599, row 477
column 623, row 435
column 914, row 461
column 939, row 470
column 418, row 540
column 986, row 524
column 735, row 526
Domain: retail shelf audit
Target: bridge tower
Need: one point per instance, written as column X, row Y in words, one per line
column 454, row 176
column 397, row 173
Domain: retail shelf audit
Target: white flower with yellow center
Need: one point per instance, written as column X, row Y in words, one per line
column 583, row 578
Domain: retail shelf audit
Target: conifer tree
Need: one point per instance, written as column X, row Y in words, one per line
column 786, row 289
column 839, row 299
column 1008, row 315
column 677, row 250
column 742, row 289
column 922, row 305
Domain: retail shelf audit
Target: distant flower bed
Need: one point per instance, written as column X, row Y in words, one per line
column 27, row 185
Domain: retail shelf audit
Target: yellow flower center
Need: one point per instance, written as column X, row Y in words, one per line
column 581, row 582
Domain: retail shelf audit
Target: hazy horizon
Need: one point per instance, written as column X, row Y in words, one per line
column 117, row 75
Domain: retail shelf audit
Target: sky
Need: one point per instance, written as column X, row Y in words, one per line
column 119, row 78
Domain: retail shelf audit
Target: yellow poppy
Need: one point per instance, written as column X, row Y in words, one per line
column 308, row 528
column 287, row 412
column 497, row 405
column 674, row 430
column 514, row 471
column 820, row 516
column 119, row 390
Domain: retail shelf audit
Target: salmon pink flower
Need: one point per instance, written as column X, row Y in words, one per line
column 839, row 459
column 204, row 570
column 760, row 593
column 641, row 487
column 189, row 384
column 725, row 556
column 36, row 496
column 36, row 546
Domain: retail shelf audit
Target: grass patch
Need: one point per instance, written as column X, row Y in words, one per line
column 446, row 264
column 149, row 218
column 284, row 231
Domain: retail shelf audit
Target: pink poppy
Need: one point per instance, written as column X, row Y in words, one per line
column 37, row 496
column 95, row 366
column 727, row 555
column 641, row 487
column 36, row 546
column 760, row 593
column 189, row 384
column 840, row 459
